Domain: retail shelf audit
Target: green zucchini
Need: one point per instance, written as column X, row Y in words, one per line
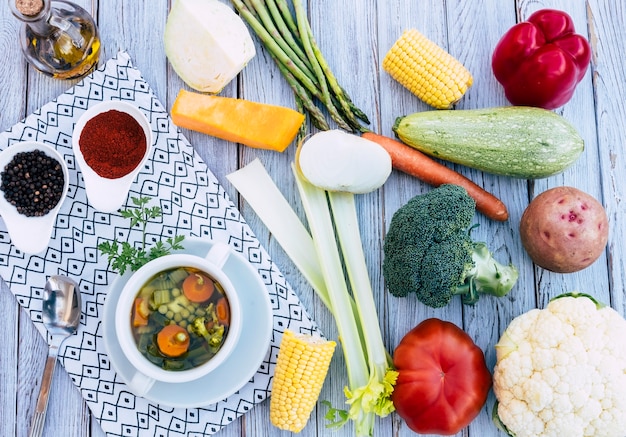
column 517, row 141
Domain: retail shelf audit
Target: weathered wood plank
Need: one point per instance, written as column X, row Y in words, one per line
column 354, row 35
column 346, row 34
column 262, row 81
column 609, row 50
column 13, row 89
column 473, row 31
column 582, row 175
column 32, row 347
column 429, row 17
column 8, row 363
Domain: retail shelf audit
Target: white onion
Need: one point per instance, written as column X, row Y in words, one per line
column 336, row 160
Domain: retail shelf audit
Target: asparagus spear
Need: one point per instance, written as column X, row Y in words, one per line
column 288, row 38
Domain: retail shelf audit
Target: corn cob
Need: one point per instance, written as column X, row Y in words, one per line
column 427, row 70
column 301, row 368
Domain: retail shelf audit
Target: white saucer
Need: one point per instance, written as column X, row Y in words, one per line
column 239, row 367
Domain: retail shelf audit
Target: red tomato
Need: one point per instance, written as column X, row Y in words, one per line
column 443, row 379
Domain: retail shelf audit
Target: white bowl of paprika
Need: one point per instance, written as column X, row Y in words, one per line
column 111, row 141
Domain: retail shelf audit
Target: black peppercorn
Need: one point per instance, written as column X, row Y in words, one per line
column 33, row 183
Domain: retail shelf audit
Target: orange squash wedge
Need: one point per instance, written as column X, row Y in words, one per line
column 241, row 121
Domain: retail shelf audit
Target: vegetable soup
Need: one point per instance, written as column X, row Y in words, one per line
column 180, row 318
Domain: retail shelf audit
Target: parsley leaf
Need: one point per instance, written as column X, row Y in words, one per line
column 124, row 256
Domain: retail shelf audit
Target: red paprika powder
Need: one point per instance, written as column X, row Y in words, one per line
column 113, row 144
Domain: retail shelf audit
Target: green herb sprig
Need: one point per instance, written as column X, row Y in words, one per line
column 124, row 256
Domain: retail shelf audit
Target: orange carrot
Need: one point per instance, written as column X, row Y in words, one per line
column 173, row 340
column 140, row 312
column 223, row 311
column 426, row 169
column 198, row 287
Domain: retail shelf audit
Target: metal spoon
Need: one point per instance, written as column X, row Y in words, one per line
column 61, row 315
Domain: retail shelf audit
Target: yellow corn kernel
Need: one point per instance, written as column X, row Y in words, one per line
column 427, row 70
column 301, row 368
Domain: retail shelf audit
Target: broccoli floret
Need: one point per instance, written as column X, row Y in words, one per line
column 429, row 251
column 213, row 336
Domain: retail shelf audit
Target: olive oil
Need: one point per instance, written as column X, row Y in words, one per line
column 58, row 38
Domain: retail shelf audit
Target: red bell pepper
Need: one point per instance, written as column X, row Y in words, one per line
column 443, row 380
column 540, row 61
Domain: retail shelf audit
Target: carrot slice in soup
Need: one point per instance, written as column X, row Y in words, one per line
column 222, row 310
column 198, row 287
column 173, row 340
column 140, row 312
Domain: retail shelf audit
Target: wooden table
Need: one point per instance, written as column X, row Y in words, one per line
column 354, row 35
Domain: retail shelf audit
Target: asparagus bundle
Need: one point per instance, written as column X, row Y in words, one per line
column 288, row 38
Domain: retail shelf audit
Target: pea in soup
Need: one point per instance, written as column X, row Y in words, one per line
column 180, row 318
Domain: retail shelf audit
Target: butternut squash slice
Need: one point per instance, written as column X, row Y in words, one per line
column 241, row 121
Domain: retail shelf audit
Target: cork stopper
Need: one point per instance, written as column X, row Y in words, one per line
column 29, row 7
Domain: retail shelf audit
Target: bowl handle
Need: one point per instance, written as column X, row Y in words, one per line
column 140, row 384
column 218, row 254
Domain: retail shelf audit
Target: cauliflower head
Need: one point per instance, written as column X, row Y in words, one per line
column 561, row 371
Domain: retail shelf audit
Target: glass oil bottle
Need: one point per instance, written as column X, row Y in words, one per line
column 58, row 37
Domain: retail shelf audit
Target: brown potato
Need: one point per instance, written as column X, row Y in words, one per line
column 564, row 230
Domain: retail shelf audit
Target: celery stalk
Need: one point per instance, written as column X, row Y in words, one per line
column 256, row 186
column 370, row 373
column 371, row 396
column 320, row 223
column 347, row 228
column 375, row 395
column 258, row 189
